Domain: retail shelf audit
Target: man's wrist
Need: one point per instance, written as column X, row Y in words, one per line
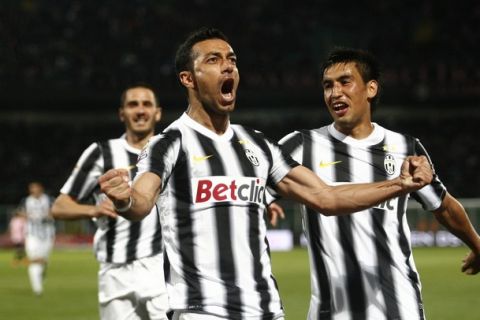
column 124, row 208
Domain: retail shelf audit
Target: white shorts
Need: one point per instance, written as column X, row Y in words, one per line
column 38, row 248
column 134, row 290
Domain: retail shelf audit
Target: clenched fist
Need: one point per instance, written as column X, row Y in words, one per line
column 115, row 184
column 416, row 173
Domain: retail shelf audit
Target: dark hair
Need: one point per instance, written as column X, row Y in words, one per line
column 123, row 96
column 184, row 57
column 365, row 62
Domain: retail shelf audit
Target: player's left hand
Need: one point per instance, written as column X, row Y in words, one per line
column 416, row 172
column 471, row 264
column 274, row 212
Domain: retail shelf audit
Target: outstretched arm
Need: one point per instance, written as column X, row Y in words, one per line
column 65, row 207
column 304, row 186
column 132, row 202
column 452, row 216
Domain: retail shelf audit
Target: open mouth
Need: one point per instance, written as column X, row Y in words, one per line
column 227, row 89
column 340, row 108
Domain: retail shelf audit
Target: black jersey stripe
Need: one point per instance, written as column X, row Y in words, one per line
column 224, row 236
column 180, row 182
column 85, row 168
column 260, row 140
column 157, row 237
column 135, row 226
column 355, row 288
column 112, row 231
column 254, row 232
column 185, row 237
column 293, row 142
column 384, row 256
column 315, row 238
column 437, row 185
column 404, row 243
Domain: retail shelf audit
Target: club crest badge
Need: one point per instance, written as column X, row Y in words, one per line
column 389, row 164
column 252, row 157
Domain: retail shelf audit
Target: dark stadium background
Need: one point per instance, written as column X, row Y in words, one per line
column 64, row 63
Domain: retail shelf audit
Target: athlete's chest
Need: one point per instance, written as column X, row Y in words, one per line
column 235, row 171
column 335, row 161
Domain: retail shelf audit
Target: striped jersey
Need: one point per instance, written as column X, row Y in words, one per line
column 116, row 240
column 39, row 222
column 211, row 207
column 361, row 264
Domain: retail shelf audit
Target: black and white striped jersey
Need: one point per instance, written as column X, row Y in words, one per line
column 39, row 222
column 116, row 240
column 211, row 207
column 361, row 264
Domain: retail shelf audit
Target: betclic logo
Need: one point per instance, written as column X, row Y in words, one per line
column 232, row 189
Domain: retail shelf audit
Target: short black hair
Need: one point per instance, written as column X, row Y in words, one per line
column 183, row 57
column 365, row 62
column 123, row 96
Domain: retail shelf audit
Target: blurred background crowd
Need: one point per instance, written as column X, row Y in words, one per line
column 63, row 65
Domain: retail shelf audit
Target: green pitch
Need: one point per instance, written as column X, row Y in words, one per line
column 71, row 286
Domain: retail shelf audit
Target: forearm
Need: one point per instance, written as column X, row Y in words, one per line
column 453, row 217
column 137, row 207
column 349, row 198
column 66, row 208
column 304, row 186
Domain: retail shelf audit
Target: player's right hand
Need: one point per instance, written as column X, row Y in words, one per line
column 275, row 212
column 105, row 208
column 115, row 185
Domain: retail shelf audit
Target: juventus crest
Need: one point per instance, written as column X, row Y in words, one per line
column 252, row 157
column 389, row 164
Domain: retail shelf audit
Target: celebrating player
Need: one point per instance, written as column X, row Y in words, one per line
column 362, row 265
column 131, row 279
column 208, row 179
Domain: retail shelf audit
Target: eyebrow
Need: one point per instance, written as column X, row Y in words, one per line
column 219, row 54
column 340, row 78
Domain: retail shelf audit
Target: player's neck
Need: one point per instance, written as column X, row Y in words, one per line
column 137, row 141
column 360, row 131
column 215, row 122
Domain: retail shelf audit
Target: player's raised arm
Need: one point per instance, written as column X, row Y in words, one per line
column 131, row 202
column 304, row 186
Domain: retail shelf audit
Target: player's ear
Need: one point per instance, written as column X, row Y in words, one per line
column 186, row 78
column 121, row 114
column 158, row 114
column 372, row 89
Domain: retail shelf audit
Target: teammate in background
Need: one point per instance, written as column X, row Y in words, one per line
column 17, row 230
column 208, row 179
column 40, row 234
column 362, row 265
column 130, row 279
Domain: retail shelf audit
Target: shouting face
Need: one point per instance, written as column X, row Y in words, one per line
column 214, row 78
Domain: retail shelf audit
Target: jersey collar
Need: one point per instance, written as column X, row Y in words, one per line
column 227, row 136
column 374, row 138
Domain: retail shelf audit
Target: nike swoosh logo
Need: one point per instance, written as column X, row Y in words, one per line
column 201, row 158
column 328, row 164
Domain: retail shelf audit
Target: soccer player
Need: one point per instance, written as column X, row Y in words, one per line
column 208, row 178
column 130, row 279
column 40, row 236
column 362, row 265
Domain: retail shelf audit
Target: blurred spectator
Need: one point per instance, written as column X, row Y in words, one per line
column 17, row 230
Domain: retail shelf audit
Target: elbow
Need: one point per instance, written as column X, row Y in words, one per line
column 56, row 211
